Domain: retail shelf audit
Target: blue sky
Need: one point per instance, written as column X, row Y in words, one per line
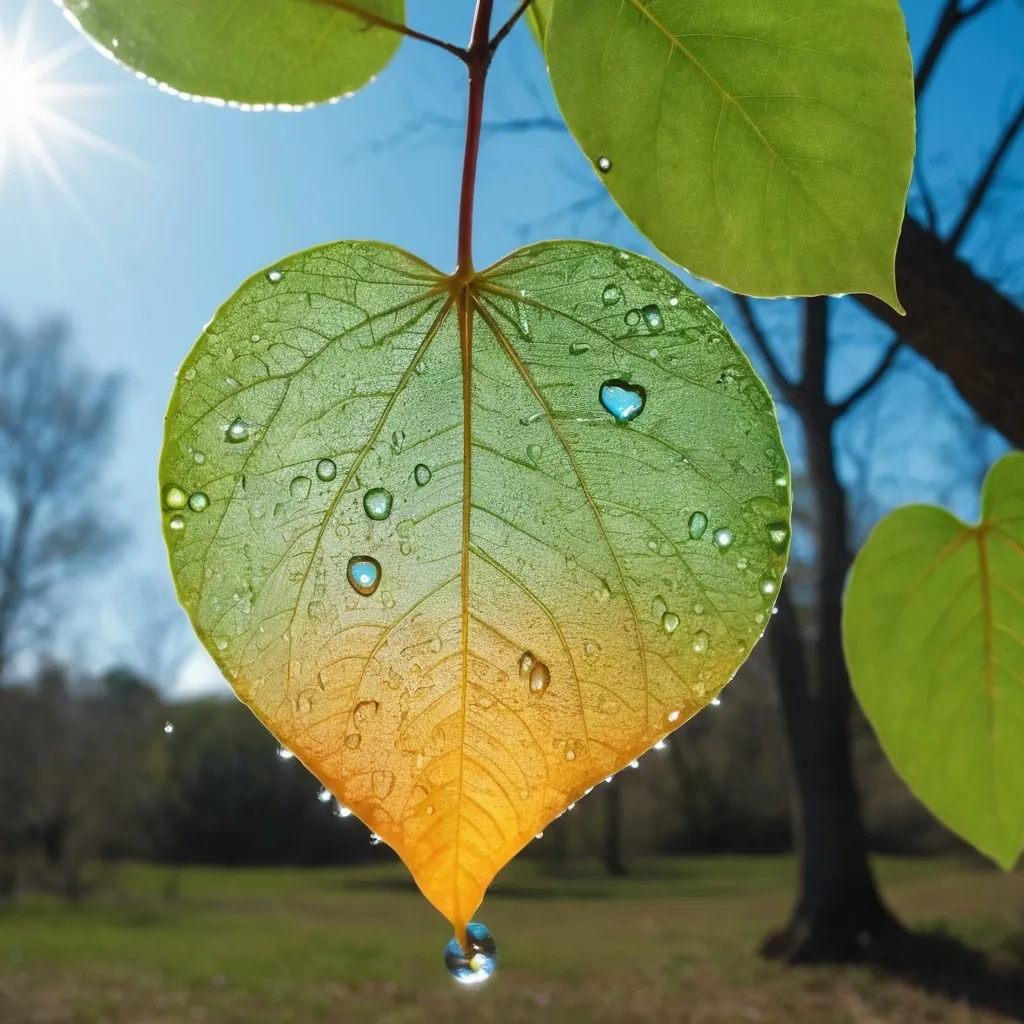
column 210, row 195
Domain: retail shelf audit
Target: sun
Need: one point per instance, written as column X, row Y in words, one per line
column 33, row 98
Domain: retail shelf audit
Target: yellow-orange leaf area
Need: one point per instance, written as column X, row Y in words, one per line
column 467, row 548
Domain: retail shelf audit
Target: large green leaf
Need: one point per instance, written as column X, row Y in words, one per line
column 557, row 589
column 934, row 629
column 260, row 52
column 538, row 14
column 767, row 146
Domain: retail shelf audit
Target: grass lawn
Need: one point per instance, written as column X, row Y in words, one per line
column 672, row 943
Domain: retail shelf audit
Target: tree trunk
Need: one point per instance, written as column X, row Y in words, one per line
column 839, row 912
column 962, row 325
column 613, row 860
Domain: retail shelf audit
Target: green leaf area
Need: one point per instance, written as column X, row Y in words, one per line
column 261, row 52
column 468, row 547
column 766, row 146
column 934, row 631
column 538, row 14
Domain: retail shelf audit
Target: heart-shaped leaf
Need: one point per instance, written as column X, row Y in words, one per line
column 260, row 52
column 767, row 146
column 469, row 547
column 934, row 631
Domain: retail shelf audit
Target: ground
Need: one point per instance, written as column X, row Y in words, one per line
column 673, row 943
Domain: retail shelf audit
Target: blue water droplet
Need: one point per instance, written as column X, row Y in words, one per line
column 364, row 574
column 474, row 964
column 623, row 400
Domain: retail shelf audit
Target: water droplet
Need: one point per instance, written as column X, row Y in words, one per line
column 526, row 663
column 237, row 432
column 658, row 608
column 698, row 609
column 421, row 474
column 429, row 809
column 199, row 458
column 199, row 502
column 352, row 740
column 633, row 318
column 383, row 782
column 775, row 610
column 778, row 535
column 673, row 716
column 533, row 454
column 741, row 564
column 325, row 796
column 698, row 524
column 316, row 609
column 397, row 440
column 300, row 487
column 534, row 417
column 670, row 622
column 623, row 256
column 716, row 703
column 174, row 497
column 652, row 316
column 284, row 753
column 610, row 296
column 377, row 503
column 603, row 593
column 724, row 538
column 623, row 400
column 405, row 547
column 304, row 704
column 700, row 642
column 177, row 523
column 590, row 648
column 604, row 165
column 674, row 301
column 341, row 811
column 326, row 469
column 540, row 678
column 364, row 574
column 768, row 586
column 570, row 752
column 578, row 348
column 273, row 276
column 168, row 728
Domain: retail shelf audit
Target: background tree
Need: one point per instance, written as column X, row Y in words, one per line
column 56, row 518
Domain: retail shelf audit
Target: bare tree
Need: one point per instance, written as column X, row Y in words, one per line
column 56, row 418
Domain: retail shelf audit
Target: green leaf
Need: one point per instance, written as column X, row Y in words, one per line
column 260, row 52
column 764, row 146
column 556, row 590
column 934, row 632
column 538, row 14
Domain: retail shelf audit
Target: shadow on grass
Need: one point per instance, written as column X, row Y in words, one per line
column 943, row 965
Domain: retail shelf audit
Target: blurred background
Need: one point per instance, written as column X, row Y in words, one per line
column 162, row 860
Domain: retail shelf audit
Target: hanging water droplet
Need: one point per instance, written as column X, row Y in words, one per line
column 623, row 400
column 533, row 454
column 633, row 318
column 284, row 754
column 273, row 276
column 670, row 622
column 364, row 574
column 168, row 728
column 540, row 678
column 700, row 642
column 377, row 503
column 199, row 502
column 174, row 497
column 698, row 524
column 578, row 348
column 778, row 535
column 325, row 796
column 326, row 469
column 237, row 432
column 611, row 295
column 300, row 487
column 177, row 523
column 421, row 474
column 658, row 608
column 341, row 811
column 604, row 164
column 724, row 538
column 652, row 316
column 768, row 586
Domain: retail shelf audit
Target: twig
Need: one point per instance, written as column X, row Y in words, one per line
column 379, row 21
column 976, row 197
column 871, row 381
column 952, row 19
column 509, row 25
column 789, row 390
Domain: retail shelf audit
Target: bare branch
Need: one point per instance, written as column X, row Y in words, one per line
column 789, row 390
column 379, row 21
column 952, row 19
column 509, row 25
column 871, row 381
column 976, row 196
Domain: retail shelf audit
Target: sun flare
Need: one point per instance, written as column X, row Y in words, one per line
column 33, row 95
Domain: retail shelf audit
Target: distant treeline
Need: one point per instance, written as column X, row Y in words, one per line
column 95, row 770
